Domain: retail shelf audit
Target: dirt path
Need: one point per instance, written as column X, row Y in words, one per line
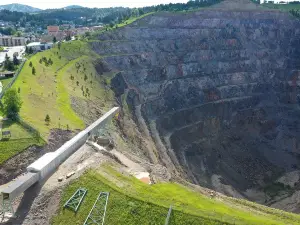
column 132, row 167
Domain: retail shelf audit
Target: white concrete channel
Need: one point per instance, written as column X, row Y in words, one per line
column 42, row 168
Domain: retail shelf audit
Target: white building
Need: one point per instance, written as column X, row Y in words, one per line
column 277, row 1
column 40, row 46
column 12, row 41
column 1, row 86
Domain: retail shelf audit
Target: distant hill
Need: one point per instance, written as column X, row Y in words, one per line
column 73, row 7
column 19, row 8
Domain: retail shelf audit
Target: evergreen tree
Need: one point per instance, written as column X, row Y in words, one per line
column 8, row 65
column 54, row 40
column 68, row 38
column 16, row 61
column 47, row 119
column 30, row 51
column 33, row 71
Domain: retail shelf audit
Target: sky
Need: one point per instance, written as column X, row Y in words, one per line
column 46, row 4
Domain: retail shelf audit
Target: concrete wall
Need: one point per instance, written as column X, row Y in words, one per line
column 19, row 185
column 48, row 163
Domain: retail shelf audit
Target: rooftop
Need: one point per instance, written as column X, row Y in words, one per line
column 37, row 43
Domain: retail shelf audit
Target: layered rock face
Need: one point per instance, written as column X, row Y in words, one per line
column 218, row 91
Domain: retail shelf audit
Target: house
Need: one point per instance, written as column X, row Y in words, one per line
column 40, row 46
column 53, row 30
column 96, row 28
column 6, row 74
column 6, row 134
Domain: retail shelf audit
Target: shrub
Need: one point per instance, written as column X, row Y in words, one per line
column 47, row 119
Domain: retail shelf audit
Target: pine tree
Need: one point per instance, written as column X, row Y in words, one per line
column 30, row 51
column 47, row 119
column 33, row 71
column 15, row 60
column 8, row 65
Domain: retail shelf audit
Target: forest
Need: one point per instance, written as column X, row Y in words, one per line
column 86, row 16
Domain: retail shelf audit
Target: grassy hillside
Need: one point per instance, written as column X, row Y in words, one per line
column 50, row 90
column 12, row 147
column 283, row 7
column 133, row 202
column 63, row 77
column 21, row 138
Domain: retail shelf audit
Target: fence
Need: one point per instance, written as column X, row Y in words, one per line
column 28, row 127
column 13, row 80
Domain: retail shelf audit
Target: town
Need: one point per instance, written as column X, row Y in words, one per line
column 13, row 48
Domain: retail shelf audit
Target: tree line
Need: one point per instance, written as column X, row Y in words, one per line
column 295, row 12
column 85, row 16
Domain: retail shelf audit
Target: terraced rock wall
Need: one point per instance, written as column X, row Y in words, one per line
column 217, row 90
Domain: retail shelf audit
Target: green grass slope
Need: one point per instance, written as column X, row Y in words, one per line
column 50, row 90
column 133, row 202
column 11, row 148
column 21, row 139
column 283, row 7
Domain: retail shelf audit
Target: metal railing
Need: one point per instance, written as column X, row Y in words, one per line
column 13, row 80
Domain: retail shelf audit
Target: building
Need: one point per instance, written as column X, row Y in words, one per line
column 40, row 46
column 53, row 30
column 1, row 87
column 277, row 1
column 12, row 41
column 96, row 28
column 6, row 74
column 81, row 30
column 6, row 134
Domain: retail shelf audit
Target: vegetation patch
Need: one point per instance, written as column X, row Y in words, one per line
column 133, row 202
column 49, row 80
column 283, row 7
column 20, row 139
column 6, row 81
column 276, row 188
column 11, row 148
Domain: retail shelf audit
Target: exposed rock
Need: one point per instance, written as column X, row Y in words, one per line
column 103, row 141
column 70, row 174
column 218, row 91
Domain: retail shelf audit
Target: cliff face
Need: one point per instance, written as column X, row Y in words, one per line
column 217, row 90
